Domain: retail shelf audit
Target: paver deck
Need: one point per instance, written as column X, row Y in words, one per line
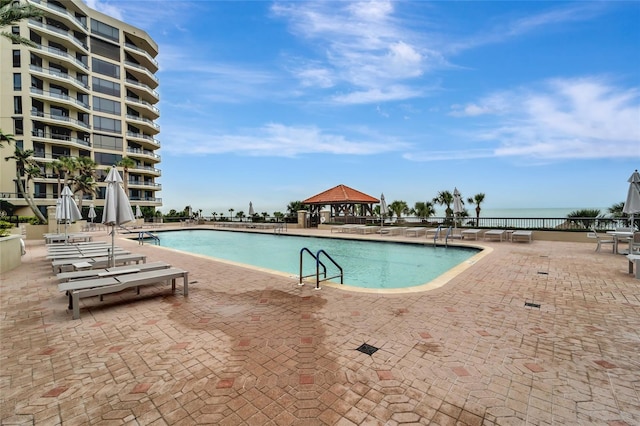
column 249, row 347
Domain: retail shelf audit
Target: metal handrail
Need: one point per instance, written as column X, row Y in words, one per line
column 319, row 264
column 437, row 234
column 141, row 238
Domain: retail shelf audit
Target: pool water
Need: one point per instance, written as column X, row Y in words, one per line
column 368, row 264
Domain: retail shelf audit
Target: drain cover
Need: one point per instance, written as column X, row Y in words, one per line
column 543, row 273
column 367, row 349
column 532, row 305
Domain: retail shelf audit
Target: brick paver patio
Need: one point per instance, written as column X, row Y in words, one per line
column 249, row 347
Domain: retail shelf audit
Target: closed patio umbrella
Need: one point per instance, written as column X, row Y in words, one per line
column 69, row 211
column 117, row 208
column 251, row 212
column 457, row 206
column 138, row 212
column 632, row 203
column 384, row 210
column 92, row 213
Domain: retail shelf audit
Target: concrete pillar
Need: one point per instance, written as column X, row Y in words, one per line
column 302, row 219
column 325, row 216
column 51, row 219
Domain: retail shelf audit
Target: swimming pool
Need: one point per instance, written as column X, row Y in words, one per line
column 366, row 264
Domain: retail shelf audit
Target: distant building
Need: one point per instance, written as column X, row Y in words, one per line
column 88, row 88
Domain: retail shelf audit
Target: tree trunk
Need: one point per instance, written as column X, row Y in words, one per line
column 29, row 200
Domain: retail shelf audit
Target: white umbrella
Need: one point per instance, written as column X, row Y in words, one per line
column 384, row 210
column 92, row 213
column 68, row 210
column 117, row 208
column 457, row 205
column 138, row 212
column 632, row 204
column 251, row 212
column 58, row 213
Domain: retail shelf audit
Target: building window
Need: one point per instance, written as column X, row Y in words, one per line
column 16, row 59
column 106, row 105
column 107, row 142
column 18, row 126
column 105, row 159
column 105, row 86
column 19, row 144
column 106, row 68
column 107, row 124
column 15, row 30
column 105, row 30
column 17, row 81
column 17, row 104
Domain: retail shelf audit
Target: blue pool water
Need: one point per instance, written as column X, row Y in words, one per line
column 380, row 265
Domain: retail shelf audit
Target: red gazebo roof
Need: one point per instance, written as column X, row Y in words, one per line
column 341, row 194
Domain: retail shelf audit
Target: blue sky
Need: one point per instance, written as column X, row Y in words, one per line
column 535, row 104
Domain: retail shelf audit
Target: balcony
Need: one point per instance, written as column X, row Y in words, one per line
column 61, row 13
column 59, row 98
column 147, row 185
column 154, row 200
column 53, row 138
column 141, row 121
column 142, row 73
column 143, row 55
column 65, row 37
column 155, row 112
column 57, row 119
column 145, row 139
column 57, row 53
column 59, row 76
column 147, row 170
column 136, row 152
column 142, row 89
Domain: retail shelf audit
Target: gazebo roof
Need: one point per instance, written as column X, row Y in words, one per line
column 341, row 194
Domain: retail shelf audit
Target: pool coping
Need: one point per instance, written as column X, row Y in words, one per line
column 436, row 283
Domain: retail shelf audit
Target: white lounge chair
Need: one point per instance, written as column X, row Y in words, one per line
column 471, row 233
column 494, row 234
column 593, row 234
column 526, row 236
column 107, row 272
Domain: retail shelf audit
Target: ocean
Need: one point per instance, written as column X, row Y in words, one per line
column 526, row 213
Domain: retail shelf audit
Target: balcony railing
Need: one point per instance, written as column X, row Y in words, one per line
column 63, row 118
column 142, row 51
column 143, row 69
column 58, row 74
column 64, row 54
column 59, row 96
column 144, row 86
column 143, row 152
column 145, row 103
column 62, row 11
column 48, row 135
column 143, row 120
column 68, row 35
column 157, row 186
column 145, row 137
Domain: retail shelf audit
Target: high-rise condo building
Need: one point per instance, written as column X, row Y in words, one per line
column 86, row 88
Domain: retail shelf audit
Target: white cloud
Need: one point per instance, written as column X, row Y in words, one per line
column 581, row 118
column 276, row 140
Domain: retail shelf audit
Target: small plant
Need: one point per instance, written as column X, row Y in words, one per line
column 4, row 228
column 585, row 217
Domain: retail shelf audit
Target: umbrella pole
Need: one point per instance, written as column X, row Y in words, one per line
column 112, row 260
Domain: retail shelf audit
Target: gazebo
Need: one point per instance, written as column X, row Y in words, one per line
column 346, row 204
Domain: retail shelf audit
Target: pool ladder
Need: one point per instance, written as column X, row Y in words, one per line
column 141, row 237
column 319, row 264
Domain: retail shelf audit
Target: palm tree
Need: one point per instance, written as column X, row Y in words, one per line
column 477, row 199
column 126, row 163
column 84, row 185
column 445, row 198
column 26, row 169
column 424, row 210
column 584, row 217
column 399, row 207
column 213, row 215
column 293, row 207
column 5, row 137
column 230, row 214
column 616, row 210
column 12, row 12
column 68, row 167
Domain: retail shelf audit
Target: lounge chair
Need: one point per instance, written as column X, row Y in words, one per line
column 366, row 229
column 117, row 270
column 415, row 231
column 115, row 284
column 494, row 234
column 594, row 235
column 64, row 265
column 392, row 230
column 526, row 236
column 471, row 233
column 634, row 259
